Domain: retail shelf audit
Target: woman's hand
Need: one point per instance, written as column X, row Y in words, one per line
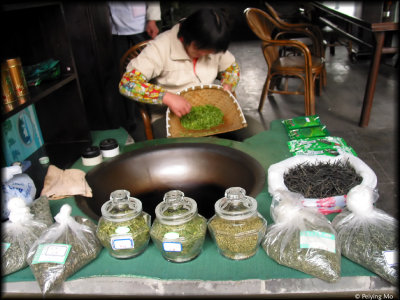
column 227, row 87
column 177, row 104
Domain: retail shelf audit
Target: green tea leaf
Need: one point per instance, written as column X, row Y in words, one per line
column 202, row 117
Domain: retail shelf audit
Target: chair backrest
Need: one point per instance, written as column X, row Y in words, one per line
column 273, row 13
column 260, row 23
column 130, row 54
column 279, row 20
column 313, row 31
column 263, row 25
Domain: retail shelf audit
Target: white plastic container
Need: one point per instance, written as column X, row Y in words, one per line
column 109, row 148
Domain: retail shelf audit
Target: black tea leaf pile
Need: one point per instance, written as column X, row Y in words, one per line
column 322, row 179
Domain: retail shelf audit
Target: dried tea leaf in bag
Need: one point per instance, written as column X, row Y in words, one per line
column 368, row 235
column 302, row 238
column 18, row 235
column 63, row 249
column 40, row 209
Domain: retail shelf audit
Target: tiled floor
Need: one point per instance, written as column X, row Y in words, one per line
column 339, row 107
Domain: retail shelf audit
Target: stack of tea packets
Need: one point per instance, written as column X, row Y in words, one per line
column 308, row 136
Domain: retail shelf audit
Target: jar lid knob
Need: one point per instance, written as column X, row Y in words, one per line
column 235, row 205
column 174, row 198
column 235, row 196
column 119, row 196
column 121, row 205
column 235, row 193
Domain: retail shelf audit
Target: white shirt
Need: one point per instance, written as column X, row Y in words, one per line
column 128, row 18
column 165, row 60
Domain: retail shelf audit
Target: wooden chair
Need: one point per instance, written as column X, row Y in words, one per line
column 306, row 67
column 316, row 44
column 144, row 112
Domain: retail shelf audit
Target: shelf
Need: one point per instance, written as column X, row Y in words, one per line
column 36, row 32
column 26, row 5
column 45, row 89
column 38, row 92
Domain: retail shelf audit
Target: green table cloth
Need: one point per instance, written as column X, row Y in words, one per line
column 267, row 147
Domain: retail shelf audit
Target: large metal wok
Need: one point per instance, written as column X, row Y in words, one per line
column 201, row 170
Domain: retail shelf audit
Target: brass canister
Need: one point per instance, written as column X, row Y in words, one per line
column 18, row 79
column 7, row 90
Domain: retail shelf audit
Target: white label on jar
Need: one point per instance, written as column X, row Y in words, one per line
column 52, row 253
column 317, row 240
column 172, row 246
column 4, row 248
column 171, row 235
column 391, row 257
column 122, row 242
column 122, row 230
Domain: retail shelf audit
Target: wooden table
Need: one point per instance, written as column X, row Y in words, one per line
column 325, row 14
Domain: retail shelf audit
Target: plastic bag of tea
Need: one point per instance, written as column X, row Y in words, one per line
column 40, row 209
column 63, row 249
column 302, row 238
column 15, row 184
column 368, row 235
column 18, row 235
column 320, row 179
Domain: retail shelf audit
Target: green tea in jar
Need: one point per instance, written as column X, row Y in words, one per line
column 178, row 230
column 123, row 229
column 237, row 228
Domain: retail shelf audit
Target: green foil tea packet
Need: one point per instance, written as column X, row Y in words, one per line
column 327, row 145
column 308, row 132
column 301, row 122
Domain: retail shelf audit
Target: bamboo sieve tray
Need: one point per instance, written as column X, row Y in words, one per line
column 208, row 94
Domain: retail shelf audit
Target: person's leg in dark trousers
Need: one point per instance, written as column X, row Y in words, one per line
column 121, row 45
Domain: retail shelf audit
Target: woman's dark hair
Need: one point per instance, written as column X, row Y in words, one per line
column 207, row 28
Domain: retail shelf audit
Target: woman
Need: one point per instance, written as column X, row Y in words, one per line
column 192, row 52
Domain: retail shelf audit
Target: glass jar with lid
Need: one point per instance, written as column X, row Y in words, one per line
column 178, row 230
column 237, row 227
column 123, row 229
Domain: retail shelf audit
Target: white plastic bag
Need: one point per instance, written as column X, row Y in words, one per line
column 15, row 184
column 18, row 235
column 368, row 235
column 332, row 204
column 302, row 238
column 63, row 249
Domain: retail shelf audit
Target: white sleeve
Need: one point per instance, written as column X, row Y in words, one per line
column 153, row 11
column 226, row 60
